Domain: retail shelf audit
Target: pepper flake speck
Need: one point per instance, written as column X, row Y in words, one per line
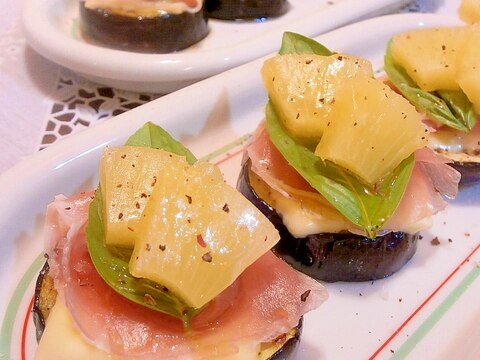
column 304, row 296
column 200, row 241
column 226, row 208
column 207, row 257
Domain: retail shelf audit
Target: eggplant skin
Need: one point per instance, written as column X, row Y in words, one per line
column 162, row 34
column 44, row 299
column 467, row 163
column 333, row 257
column 470, row 172
column 245, row 9
column 290, row 347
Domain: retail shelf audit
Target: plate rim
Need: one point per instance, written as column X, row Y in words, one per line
column 99, row 134
column 167, row 72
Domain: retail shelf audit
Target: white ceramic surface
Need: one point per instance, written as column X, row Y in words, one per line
column 428, row 310
column 51, row 28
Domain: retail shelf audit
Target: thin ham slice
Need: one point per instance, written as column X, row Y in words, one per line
column 271, row 166
column 432, row 178
column 444, row 178
column 62, row 223
column 266, row 301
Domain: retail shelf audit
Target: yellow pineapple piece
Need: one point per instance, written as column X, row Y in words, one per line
column 468, row 65
column 429, row 56
column 126, row 177
column 372, row 129
column 197, row 234
column 301, row 88
column 469, row 11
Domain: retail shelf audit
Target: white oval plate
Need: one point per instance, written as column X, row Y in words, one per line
column 51, row 28
column 428, row 310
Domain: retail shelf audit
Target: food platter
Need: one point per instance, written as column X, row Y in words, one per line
column 228, row 44
column 427, row 310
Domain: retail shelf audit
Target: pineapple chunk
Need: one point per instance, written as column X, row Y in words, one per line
column 469, row 11
column 301, row 87
column 372, row 129
column 126, row 177
column 468, row 65
column 197, row 234
column 429, row 56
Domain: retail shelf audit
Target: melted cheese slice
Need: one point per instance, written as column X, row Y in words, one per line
column 457, row 145
column 146, row 8
column 61, row 340
column 303, row 213
column 306, row 214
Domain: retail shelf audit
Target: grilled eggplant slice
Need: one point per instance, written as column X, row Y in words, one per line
column 282, row 348
column 470, row 172
column 245, row 9
column 45, row 298
column 335, row 257
column 163, row 33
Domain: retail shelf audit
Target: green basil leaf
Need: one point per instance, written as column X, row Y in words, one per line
column 151, row 135
column 293, row 43
column 460, row 106
column 451, row 108
column 112, row 262
column 363, row 207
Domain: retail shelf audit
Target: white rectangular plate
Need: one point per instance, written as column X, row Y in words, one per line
column 430, row 309
column 229, row 43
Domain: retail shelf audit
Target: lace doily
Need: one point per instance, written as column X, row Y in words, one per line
column 82, row 103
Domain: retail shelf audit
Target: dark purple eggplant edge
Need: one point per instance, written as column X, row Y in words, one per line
column 470, row 172
column 37, row 314
column 246, row 9
column 162, row 34
column 335, row 257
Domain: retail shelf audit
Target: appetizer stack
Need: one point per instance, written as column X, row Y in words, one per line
column 164, row 26
column 159, row 26
column 437, row 70
column 165, row 260
column 341, row 166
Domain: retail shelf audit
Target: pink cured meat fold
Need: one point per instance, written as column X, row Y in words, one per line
column 431, row 178
column 266, row 301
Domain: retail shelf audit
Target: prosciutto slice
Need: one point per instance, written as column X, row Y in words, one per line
column 266, row 301
column 432, row 178
column 271, row 166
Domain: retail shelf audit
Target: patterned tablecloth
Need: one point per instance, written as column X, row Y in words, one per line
column 41, row 102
